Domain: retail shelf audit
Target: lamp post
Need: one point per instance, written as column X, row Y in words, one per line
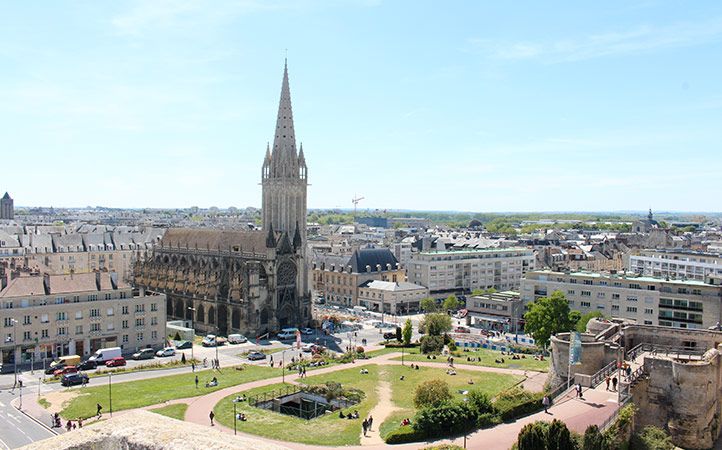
column 619, row 367
column 193, row 315
column 283, row 367
column 15, row 356
column 235, row 414
column 110, row 393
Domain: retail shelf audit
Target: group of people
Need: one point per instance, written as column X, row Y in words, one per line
column 367, row 424
column 414, row 366
column 406, row 422
column 499, row 361
column 70, row 425
column 614, row 382
column 450, row 372
column 353, row 415
column 430, row 356
column 212, row 383
column 302, row 371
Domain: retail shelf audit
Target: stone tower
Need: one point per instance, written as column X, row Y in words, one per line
column 284, row 179
column 7, row 209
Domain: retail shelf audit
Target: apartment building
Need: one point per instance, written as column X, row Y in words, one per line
column 646, row 300
column 55, row 315
column 391, row 297
column 676, row 264
column 337, row 278
column 465, row 270
column 500, row 311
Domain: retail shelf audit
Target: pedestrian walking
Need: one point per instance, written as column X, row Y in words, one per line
column 579, row 390
column 304, row 372
column 196, row 381
column 608, row 380
column 371, row 422
column 80, row 422
column 546, row 402
column 99, row 409
column 193, row 366
column 218, row 364
column 365, row 425
column 271, row 360
column 629, row 374
column 69, row 425
column 211, row 416
column 614, row 383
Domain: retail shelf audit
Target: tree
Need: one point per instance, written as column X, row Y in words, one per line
column 407, row 332
column 548, row 316
column 532, row 436
column 585, row 318
column 436, row 324
column 594, row 439
column 559, row 437
column 451, row 303
column 431, row 393
column 428, row 305
column 398, row 334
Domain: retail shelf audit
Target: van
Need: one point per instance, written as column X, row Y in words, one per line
column 106, row 354
column 236, row 339
column 68, row 360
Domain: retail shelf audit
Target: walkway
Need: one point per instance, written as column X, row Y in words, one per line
column 383, row 409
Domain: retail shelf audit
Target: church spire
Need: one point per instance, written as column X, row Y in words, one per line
column 284, row 156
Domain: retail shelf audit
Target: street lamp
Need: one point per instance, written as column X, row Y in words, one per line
column 283, row 367
column 235, row 414
column 15, row 356
column 193, row 315
column 110, row 392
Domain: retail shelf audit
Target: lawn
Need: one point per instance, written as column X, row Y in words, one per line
column 327, row 430
column 177, row 411
column 387, row 350
column 402, row 392
column 136, row 394
column 487, row 358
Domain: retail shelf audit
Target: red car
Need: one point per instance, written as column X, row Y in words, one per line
column 115, row 362
column 461, row 330
column 65, row 370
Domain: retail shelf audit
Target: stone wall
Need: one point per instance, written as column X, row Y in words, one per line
column 595, row 355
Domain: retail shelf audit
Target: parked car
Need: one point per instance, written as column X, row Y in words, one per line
column 461, row 330
column 115, row 362
column 306, row 331
column 51, row 370
column 106, row 354
column 287, row 333
column 87, row 365
column 212, row 340
column 181, row 345
column 67, row 360
column 307, row 348
column 146, row 353
column 390, row 335
column 237, row 339
column 71, row 379
column 255, row 356
column 65, row 370
column 168, row 351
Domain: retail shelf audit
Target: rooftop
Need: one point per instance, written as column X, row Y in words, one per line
column 625, row 276
column 474, row 251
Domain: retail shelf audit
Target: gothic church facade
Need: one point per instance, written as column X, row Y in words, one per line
column 248, row 282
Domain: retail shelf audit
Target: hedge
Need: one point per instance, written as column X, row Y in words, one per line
column 404, row 435
column 517, row 402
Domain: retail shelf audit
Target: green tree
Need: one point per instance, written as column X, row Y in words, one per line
column 428, row 305
column 431, row 393
column 559, row 437
column 451, row 303
column 532, row 436
column 436, row 324
column 585, row 318
column 398, row 334
column 594, row 439
column 407, row 332
column 548, row 316
column 652, row 438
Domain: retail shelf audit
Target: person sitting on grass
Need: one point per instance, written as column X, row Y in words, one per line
column 340, row 414
column 212, row 383
column 470, row 381
column 405, row 422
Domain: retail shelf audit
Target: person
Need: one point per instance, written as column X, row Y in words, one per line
column 417, row 367
column 370, row 421
column 183, row 358
column 56, row 416
column 68, row 425
column 614, row 383
column 196, row 381
column 99, row 408
column 271, row 360
column 364, row 425
column 471, row 381
column 546, row 402
column 629, row 373
column 340, row 414
column 608, row 380
column 405, row 422
column 218, row 364
column 304, row 372
column 579, row 390
column 205, row 362
column 80, row 422
column 355, row 414
column 193, row 366
column 401, row 378
column 211, row 416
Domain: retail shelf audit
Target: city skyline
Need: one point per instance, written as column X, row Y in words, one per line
column 464, row 108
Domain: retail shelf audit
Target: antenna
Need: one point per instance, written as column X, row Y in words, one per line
column 355, row 202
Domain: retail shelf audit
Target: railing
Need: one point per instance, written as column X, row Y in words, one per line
column 611, row 419
column 668, row 350
column 254, row 400
column 602, row 373
column 634, row 352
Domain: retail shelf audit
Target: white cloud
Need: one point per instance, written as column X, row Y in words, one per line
column 643, row 38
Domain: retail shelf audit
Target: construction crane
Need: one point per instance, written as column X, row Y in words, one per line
column 355, row 202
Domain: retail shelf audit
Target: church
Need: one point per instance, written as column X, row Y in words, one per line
column 248, row 282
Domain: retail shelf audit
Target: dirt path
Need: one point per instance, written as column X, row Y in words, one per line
column 384, row 408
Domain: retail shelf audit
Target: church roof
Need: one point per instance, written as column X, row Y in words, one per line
column 205, row 238
column 284, row 142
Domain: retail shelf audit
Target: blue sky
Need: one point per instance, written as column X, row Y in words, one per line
column 480, row 106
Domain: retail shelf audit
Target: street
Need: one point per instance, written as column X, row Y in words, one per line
column 16, row 429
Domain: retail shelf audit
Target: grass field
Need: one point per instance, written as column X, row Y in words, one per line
column 486, row 358
column 327, row 430
column 177, row 411
column 136, row 394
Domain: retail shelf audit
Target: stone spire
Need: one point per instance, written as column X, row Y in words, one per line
column 284, row 162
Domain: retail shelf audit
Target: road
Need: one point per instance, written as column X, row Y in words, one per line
column 16, row 429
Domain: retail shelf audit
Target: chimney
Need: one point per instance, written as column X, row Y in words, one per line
column 97, row 280
column 114, row 279
column 368, row 268
column 378, row 267
column 46, row 283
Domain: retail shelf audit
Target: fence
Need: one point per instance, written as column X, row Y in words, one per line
column 305, row 408
column 601, row 375
column 255, row 400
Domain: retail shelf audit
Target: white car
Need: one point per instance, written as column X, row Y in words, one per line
column 306, row 330
column 307, row 348
column 287, row 333
column 168, row 351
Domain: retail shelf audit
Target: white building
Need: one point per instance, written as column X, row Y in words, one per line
column 466, row 270
column 676, row 264
column 391, row 298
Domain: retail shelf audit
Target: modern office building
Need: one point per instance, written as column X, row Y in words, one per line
column 500, row 311
column 646, row 300
column 677, row 264
column 44, row 316
column 463, row 271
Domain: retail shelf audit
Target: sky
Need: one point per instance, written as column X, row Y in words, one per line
column 426, row 105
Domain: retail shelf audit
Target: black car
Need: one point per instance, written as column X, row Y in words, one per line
column 87, row 365
column 390, row 335
column 180, row 345
column 71, row 379
column 51, row 369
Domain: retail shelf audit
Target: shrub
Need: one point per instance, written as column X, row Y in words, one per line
column 452, row 346
column 359, row 349
column 399, row 345
column 431, row 393
column 487, row 420
column 404, row 435
column 445, row 419
column 559, row 437
column 432, row 344
column 517, row 402
column 652, row 438
column 479, row 402
column 532, row 436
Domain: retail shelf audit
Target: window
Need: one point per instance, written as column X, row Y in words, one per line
column 634, row 286
column 94, row 327
column 94, row 313
column 124, row 310
column 124, row 324
column 601, row 295
column 62, row 331
column 631, row 309
column 586, row 294
column 154, row 335
column 92, row 297
column 26, row 320
column 139, row 322
column 570, row 291
column 586, row 304
column 154, row 307
column 26, row 336
column 44, row 333
column 648, row 322
column 648, row 311
column 139, row 308
column 111, row 326
column 8, row 322
column 76, row 298
column 123, row 295
column 78, row 314
column 154, row 321
column 615, row 307
column 631, row 298
column 588, row 282
column 78, row 329
column 108, row 296
column 109, row 312
column 59, row 300
column 60, row 315
column 139, row 337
